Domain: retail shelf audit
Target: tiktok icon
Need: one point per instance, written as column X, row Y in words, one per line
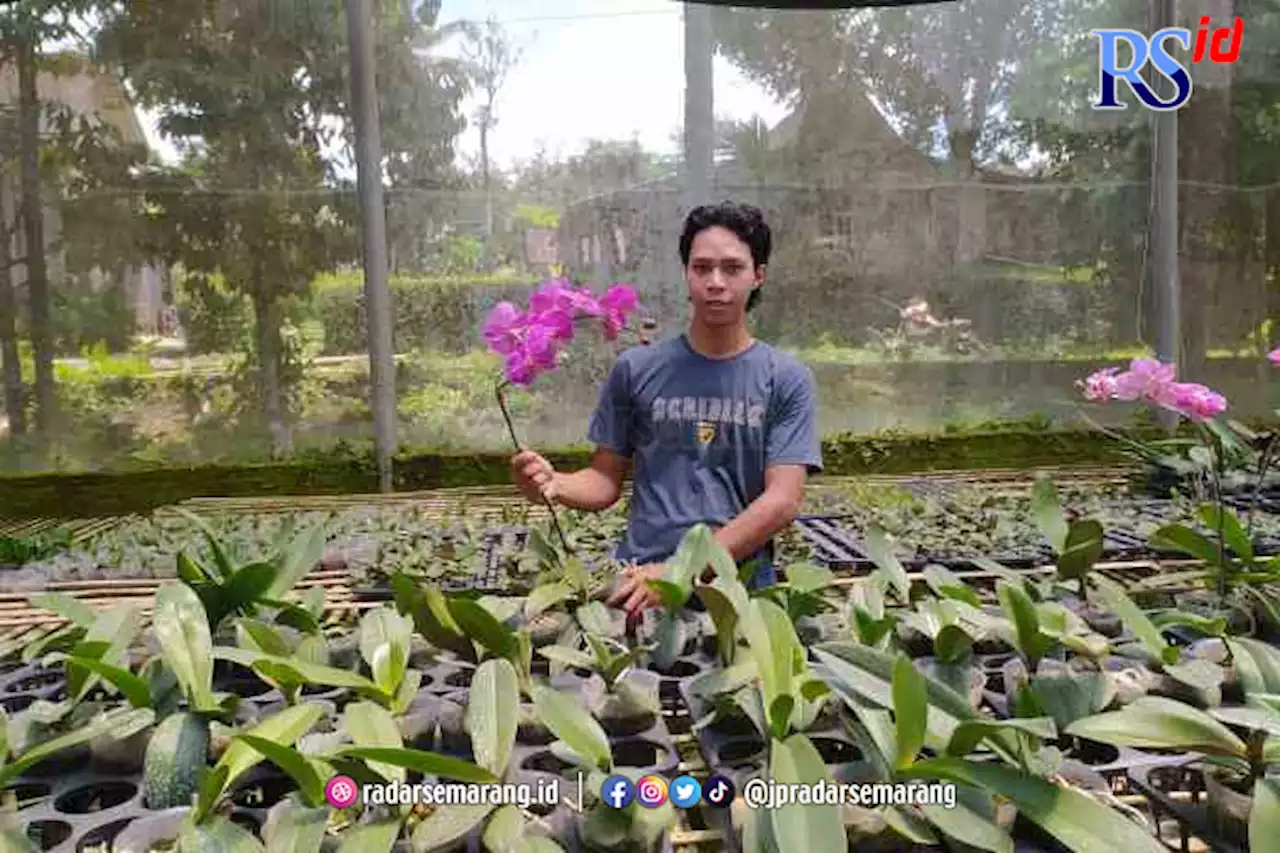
column 718, row 792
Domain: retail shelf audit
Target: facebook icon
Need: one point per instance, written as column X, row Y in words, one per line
column 1154, row 51
column 617, row 791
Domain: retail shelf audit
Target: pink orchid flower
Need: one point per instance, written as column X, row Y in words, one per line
column 1146, row 379
column 503, row 330
column 1274, row 356
column 1100, row 386
column 1194, row 401
column 617, row 303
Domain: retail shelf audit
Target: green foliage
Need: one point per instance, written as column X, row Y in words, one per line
column 438, row 313
column 215, row 317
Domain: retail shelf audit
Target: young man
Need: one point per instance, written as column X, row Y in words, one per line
column 719, row 428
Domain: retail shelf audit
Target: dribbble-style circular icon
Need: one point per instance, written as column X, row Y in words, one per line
column 651, row 791
column 617, row 791
column 718, row 792
column 685, row 792
column 341, row 792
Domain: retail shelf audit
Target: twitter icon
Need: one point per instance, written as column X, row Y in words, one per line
column 685, row 792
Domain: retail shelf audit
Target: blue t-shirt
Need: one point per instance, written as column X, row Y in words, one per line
column 700, row 433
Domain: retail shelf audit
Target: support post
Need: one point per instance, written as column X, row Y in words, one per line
column 1164, row 220
column 364, row 109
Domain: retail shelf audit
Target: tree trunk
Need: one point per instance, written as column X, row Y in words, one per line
column 9, row 363
column 33, row 217
column 267, row 327
column 488, row 182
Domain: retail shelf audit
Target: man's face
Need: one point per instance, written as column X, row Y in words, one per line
column 721, row 276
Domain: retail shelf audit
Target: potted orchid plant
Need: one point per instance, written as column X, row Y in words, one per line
column 533, row 341
column 1219, row 444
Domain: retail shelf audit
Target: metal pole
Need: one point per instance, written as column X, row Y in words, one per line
column 364, row 108
column 1164, row 220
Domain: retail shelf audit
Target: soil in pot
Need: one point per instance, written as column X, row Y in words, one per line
column 239, row 680
column 263, row 793
column 48, row 834
column 96, row 797
column 19, row 702
column 545, row 761
column 1089, row 752
column 101, row 838
column 836, row 751
column 629, row 725
column 28, row 794
column 112, row 755
column 1230, row 801
column 740, row 752
column 734, row 726
column 637, row 752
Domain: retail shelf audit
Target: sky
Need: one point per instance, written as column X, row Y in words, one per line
column 588, row 69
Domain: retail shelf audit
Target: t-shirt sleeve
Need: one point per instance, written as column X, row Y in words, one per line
column 793, row 423
column 610, row 426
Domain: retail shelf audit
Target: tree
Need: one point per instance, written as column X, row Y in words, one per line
column 257, row 95
column 492, row 58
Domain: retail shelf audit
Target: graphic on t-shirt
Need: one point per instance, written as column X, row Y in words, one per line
column 706, row 432
column 712, row 410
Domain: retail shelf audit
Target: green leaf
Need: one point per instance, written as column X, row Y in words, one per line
column 447, row 825
column 1082, row 550
column 1136, row 621
column 304, row 554
column 388, row 666
column 952, row 643
column 1158, row 723
column 219, row 554
column 426, row 763
column 774, row 645
column 247, row 586
column 1237, row 538
column 535, row 844
column 806, row 577
column 386, row 627
column 482, row 627
column 260, row 637
column 296, row 829
column 1083, row 824
column 1022, row 612
column 1180, row 538
column 220, row 834
column 945, row 584
column 1257, row 664
column 134, row 688
column 493, row 707
column 67, row 606
column 568, row 656
column 326, row 675
column 1264, row 819
column 503, row 830
column 969, row 826
column 879, row 548
column 725, row 600
column 288, row 759
column 971, row 732
column 672, row 595
column 1046, row 508
column 796, row 761
column 181, row 627
column 573, row 724
column 103, row 724
column 283, row 727
column 910, row 710
column 430, row 612
column 1069, row 697
column 371, row 837
column 780, row 715
column 546, row 596
column 370, row 724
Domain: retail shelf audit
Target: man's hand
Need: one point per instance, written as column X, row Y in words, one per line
column 634, row 593
column 534, row 476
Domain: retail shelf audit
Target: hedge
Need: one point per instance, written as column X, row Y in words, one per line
column 109, row 494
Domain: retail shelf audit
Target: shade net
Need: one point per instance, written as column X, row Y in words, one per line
column 958, row 235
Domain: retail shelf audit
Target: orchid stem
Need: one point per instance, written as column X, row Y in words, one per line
column 511, row 429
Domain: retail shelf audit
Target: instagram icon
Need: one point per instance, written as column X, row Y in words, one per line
column 651, row 791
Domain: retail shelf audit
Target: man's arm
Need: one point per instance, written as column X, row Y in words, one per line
column 596, row 487
column 792, row 452
column 776, row 507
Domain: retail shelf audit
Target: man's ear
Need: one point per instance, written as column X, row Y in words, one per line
column 759, row 275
